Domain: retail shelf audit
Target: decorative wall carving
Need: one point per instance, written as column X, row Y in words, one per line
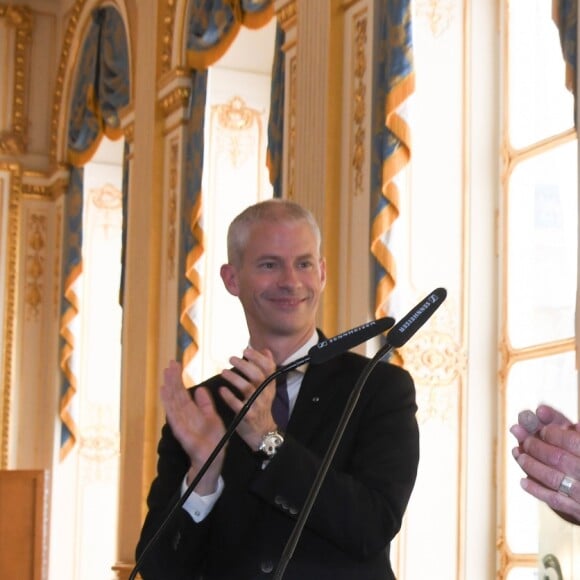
column 168, row 37
column 35, row 259
column 359, row 95
column 438, row 13
column 175, row 91
column 287, row 15
column 38, row 190
column 172, row 207
column 437, row 363
column 292, row 125
column 99, row 443
column 233, row 121
column 14, row 141
column 12, row 188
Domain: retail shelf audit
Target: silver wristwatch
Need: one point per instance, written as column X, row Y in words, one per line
column 270, row 443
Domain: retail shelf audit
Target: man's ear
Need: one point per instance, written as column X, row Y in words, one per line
column 323, row 272
column 230, row 279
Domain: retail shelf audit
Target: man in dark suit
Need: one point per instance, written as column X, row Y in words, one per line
column 236, row 523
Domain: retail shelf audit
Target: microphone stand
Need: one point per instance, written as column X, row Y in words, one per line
column 329, row 456
column 225, row 438
column 397, row 337
column 324, row 350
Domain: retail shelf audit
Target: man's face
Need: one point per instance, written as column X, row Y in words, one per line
column 279, row 280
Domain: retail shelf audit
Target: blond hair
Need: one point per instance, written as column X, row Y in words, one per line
column 270, row 210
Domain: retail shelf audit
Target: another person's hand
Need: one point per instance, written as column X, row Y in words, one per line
column 549, row 454
column 195, row 424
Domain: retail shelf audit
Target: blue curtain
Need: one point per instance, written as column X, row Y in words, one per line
column 72, row 268
column 276, row 119
column 212, row 27
column 101, row 90
column 102, row 86
column 391, row 147
column 191, row 246
column 214, row 24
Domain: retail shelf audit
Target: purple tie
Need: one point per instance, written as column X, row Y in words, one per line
column 281, row 404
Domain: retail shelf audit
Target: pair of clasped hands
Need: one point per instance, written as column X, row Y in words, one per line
column 549, row 454
column 195, row 422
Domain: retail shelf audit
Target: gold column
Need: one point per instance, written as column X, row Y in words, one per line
column 140, row 373
column 312, row 131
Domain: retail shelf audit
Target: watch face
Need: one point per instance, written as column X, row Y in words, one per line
column 270, row 443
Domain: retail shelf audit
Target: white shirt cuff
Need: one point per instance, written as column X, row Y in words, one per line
column 199, row 506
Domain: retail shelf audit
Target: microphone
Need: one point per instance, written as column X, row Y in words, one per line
column 325, row 350
column 396, row 337
column 415, row 318
column 329, row 348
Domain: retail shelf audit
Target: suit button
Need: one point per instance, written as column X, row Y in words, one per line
column 267, row 566
column 278, row 500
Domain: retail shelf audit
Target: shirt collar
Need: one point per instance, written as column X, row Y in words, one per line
column 303, row 351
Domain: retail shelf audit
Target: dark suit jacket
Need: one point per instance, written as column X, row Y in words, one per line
column 358, row 510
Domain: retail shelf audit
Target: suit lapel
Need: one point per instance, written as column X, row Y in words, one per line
column 316, row 398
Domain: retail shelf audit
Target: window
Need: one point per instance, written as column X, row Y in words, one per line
column 234, row 176
column 538, row 218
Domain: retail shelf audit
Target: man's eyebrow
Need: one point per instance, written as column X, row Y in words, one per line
column 277, row 257
column 267, row 257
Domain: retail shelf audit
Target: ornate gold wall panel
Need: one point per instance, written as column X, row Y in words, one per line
column 168, row 33
column 172, row 201
column 14, row 140
column 10, row 187
column 287, row 13
column 34, row 266
column 359, row 115
column 354, row 165
column 174, row 95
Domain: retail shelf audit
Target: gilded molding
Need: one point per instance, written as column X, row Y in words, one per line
column 36, row 233
column 359, row 57
column 41, row 191
column 41, row 186
column 168, row 35
column 177, row 99
column 15, row 140
column 293, row 93
column 9, row 303
column 129, row 132
column 287, row 15
column 172, row 207
column 174, row 91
